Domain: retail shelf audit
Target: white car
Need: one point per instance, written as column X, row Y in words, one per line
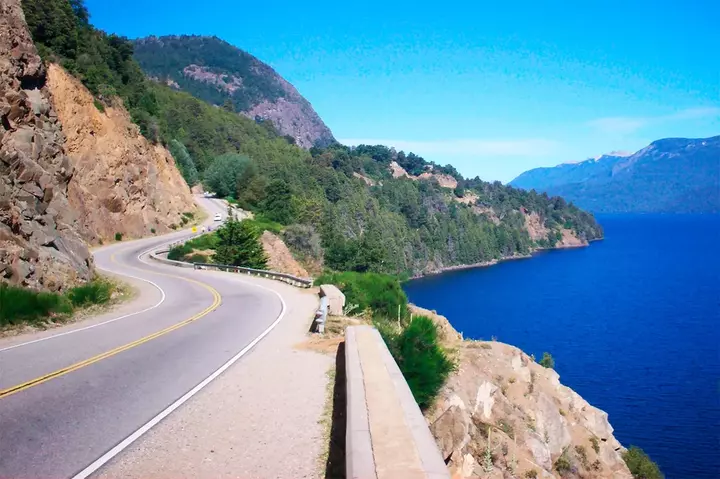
column 218, row 217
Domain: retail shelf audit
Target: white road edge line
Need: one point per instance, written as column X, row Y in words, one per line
column 162, row 300
column 172, row 407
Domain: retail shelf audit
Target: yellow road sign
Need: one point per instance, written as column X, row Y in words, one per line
column 194, row 229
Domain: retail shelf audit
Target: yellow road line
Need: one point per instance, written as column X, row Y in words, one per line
column 74, row 367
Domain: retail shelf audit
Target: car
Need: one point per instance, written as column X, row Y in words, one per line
column 218, row 217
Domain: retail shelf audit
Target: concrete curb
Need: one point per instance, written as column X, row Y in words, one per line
column 360, row 458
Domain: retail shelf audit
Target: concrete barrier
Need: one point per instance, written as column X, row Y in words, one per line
column 387, row 436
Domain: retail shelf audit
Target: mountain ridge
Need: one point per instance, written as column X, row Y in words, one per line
column 670, row 175
column 221, row 74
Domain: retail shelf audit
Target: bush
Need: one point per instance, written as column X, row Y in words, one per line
column 239, row 245
column 640, row 464
column 562, row 464
column 177, row 253
column 19, row 305
column 380, row 293
column 118, row 236
column 303, row 240
column 197, row 258
column 204, row 242
column 152, row 230
column 94, row 292
column 422, row 360
column 531, row 474
column 547, row 361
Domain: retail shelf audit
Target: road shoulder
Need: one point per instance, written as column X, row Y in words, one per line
column 261, row 418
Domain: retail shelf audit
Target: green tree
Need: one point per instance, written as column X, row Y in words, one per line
column 222, row 175
column 184, row 162
column 547, row 361
column 278, row 204
column 239, row 245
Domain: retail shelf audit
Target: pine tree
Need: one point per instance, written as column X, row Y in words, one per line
column 240, row 245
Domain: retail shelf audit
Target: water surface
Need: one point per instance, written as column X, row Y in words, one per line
column 632, row 322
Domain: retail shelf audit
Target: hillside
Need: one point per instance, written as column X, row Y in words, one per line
column 674, row 175
column 223, row 75
column 368, row 208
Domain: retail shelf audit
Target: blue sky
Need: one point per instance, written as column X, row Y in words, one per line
column 495, row 88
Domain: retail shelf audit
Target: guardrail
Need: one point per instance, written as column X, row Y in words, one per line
column 285, row 278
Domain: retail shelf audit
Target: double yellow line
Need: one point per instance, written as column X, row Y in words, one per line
column 74, row 367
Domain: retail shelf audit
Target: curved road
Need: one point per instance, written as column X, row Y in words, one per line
column 73, row 397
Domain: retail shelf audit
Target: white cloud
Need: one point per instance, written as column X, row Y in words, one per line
column 469, row 147
column 626, row 124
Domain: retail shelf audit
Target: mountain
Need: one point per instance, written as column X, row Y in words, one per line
column 673, row 175
column 223, row 75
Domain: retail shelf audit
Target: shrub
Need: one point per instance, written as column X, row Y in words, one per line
column 20, row 305
column 379, row 292
column 152, row 230
column 531, row 474
column 206, row 241
column 562, row 464
column 547, row 361
column 507, row 427
column 422, row 360
column 197, row 258
column 177, row 253
column 640, row 464
column 98, row 104
column 595, row 444
column 582, row 456
column 303, row 240
column 118, row 236
column 94, row 292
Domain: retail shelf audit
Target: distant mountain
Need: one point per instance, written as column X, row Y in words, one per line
column 221, row 74
column 674, row 175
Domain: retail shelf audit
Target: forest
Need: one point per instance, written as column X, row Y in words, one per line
column 396, row 225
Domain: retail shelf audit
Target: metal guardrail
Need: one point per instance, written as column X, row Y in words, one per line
column 286, row 278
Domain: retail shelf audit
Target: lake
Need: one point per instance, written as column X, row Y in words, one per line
column 632, row 322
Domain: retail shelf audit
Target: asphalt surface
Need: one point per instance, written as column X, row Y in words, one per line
column 90, row 385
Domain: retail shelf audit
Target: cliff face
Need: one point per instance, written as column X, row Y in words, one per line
column 501, row 415
column 39, row 244
column 122, row 183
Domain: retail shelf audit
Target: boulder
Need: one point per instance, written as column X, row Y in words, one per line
column 336, row 299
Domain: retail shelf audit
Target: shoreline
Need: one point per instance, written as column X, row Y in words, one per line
column 493, row 262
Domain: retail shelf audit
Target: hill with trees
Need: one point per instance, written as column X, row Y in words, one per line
column 223, row 75
column 674, row 175
column 344, row 200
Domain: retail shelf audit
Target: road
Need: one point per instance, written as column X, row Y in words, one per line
column 72, row 397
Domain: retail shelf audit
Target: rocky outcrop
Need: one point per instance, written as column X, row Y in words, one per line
column 280, row 258
column 122, row 183
column 503, row 415
column 39, row 246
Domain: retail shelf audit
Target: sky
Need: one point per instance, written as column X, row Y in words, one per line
column 494, row 88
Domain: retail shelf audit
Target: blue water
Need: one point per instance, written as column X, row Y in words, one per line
column 632, row 322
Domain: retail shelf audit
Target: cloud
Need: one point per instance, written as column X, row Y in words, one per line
column 626, row 124
column 469, row 147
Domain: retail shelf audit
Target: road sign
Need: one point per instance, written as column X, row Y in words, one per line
column 194, row 229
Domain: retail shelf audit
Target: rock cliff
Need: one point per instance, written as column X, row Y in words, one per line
column 122, row 183
column 39, row 243
column 503, row 415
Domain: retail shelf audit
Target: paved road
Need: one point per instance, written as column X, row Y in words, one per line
column 71, row 395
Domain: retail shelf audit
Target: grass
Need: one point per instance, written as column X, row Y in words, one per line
column 26, row 306
column 262, row 224
column 208, row 241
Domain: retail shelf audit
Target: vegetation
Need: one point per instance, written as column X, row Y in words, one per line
column 166, row 58
column 184, row 162
column 239, row 245
column 640, row 464
column 379, row 294
column 118, row 236
column 22, row 305
column 421, row 359
column 562, row 463
column 547, row 361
